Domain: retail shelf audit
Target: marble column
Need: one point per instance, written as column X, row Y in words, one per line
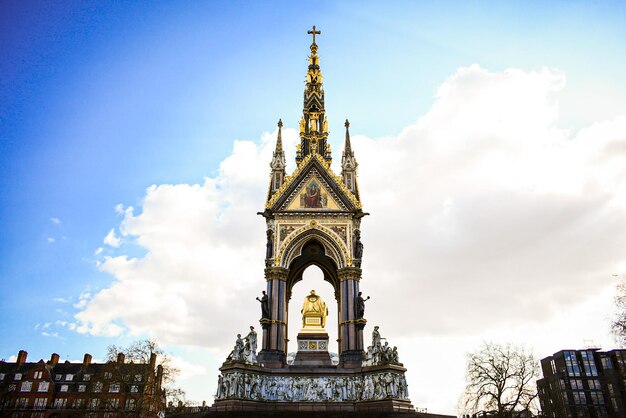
column 274, row 345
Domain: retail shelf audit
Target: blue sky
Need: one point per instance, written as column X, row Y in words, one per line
column 99, row 101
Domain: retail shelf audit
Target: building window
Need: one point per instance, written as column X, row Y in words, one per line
column 97, row 387
column 60, row 403
column 134, row 389
column 26, row 387
column 114, row 387
column 611, row 390
column 597, row 398
column 79, row 403
column 607, row 364
column 1, row 376
column 65, row 388
column 40, row 403
column 573, row 369
column 138, row 378
column 86, row 377
column 113, row 403
column 579, row 398
column 17, row 376
column 576, row 384
column 43, row 387
column 108, row 375
column 69, row 377
column 130, row 404
column 58, row 376
column 82, row 388
column 22, row 403
column 37, row 375
column 589, row 363
column 94, row 403
column 553, row 366
column 12, row 387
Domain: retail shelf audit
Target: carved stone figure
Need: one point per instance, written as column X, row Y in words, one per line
column 265, row 305
column 237, row 353
column 360, row 305
column 358, row 245
column 252, row 337
column 269, row 247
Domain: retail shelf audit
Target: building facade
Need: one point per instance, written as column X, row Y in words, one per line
column 96, row 390
column 583, row 383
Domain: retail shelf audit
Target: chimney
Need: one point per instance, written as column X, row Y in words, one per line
column 87, row 360
column 21, row 357
column 54, row 359
column 153, row 357
column 120, row 358
column 159, row 377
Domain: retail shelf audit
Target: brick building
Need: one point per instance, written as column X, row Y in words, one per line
column 583, row 383
column 96, row 390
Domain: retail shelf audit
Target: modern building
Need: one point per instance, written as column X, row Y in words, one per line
column 98, row 390
column 583, row 383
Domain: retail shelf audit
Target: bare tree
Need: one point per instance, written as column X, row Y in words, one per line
column 139, row 352
column 618, row 325
column 500, row 382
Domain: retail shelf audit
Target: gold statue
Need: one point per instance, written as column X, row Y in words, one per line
column 314, row 311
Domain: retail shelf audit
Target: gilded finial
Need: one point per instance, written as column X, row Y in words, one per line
column 280, row 123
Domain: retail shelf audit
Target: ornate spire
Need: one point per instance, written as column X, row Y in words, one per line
column 313, row 125
column 349, row 164
column 279, row 162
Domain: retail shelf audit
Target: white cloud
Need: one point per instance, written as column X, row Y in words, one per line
column 51, row 240
column 111, row 239
column 485, row 216
column 55, row 221
column 119, row 208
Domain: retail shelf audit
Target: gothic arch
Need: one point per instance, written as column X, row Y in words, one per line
column 333, row 247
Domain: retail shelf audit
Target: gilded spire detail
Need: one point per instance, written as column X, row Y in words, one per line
column 313, row 125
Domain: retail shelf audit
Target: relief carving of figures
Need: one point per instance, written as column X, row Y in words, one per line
column 255, row 386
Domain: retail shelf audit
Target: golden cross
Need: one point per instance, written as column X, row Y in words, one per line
column 314, row 32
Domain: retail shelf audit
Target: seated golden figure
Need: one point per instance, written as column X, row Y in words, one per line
column 314, row 311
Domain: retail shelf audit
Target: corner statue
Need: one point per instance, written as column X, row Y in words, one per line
column 314, row 313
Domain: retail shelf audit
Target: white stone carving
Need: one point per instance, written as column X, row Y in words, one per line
column 256, row 386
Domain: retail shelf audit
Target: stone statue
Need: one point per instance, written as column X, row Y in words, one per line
column 249, row 350
column 237, row 353
column 269, row 247
column 265, row 305
column 358, row 245
column 252, row 337
column 314, row 307
column 360, row 305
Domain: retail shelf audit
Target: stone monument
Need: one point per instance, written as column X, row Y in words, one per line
column 313, row 217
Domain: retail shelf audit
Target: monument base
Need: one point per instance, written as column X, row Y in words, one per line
column 312, row 350
column 250, row 387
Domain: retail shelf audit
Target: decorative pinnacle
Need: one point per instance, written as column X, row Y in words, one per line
column 348, row 146
column 280, row 123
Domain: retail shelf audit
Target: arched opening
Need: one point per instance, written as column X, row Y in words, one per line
column 312, row 279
